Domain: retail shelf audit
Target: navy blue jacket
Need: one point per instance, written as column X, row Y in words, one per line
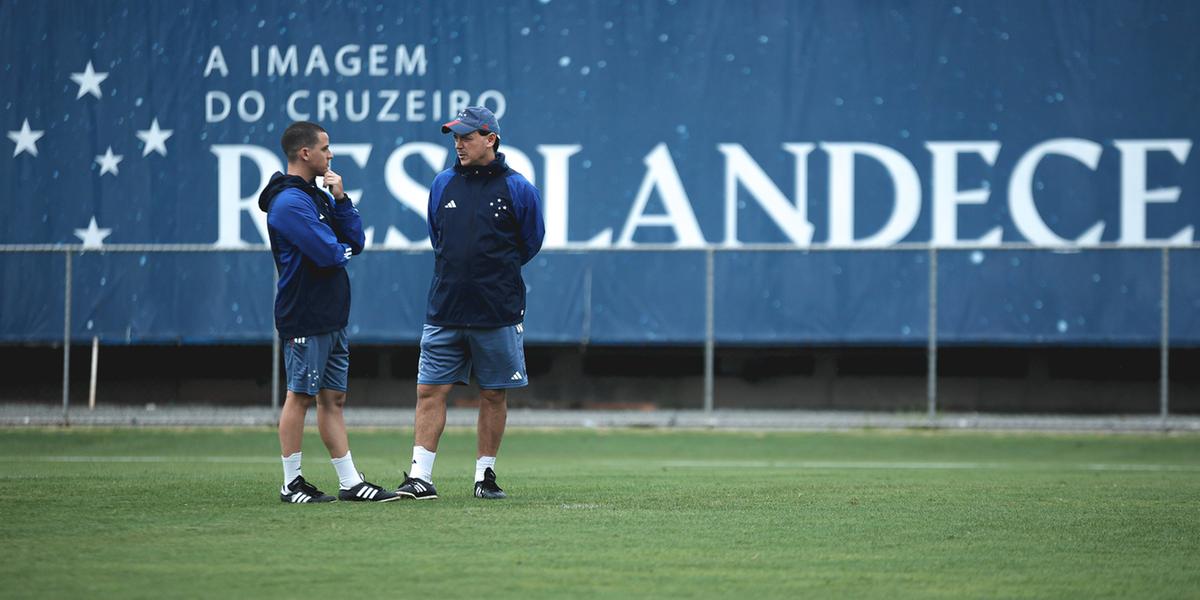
column 312, row 238
column 484, row 223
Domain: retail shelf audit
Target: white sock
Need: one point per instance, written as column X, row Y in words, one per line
column 291, row 468
column 348, row 476
column 422, row 464
column 482, row 464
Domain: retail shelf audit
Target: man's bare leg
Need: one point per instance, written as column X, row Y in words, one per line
column 291, row 433
column 431, row 415
column 493, row 415
column 291, row 421
column 331, row 422
column 430, row 422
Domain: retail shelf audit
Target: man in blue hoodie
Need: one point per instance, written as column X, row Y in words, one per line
column 313, row 235
column 485, row 222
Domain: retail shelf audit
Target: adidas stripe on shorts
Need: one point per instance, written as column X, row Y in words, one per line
column 452, row 354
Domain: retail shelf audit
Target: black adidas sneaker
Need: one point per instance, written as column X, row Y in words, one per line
column 416, row 489
column 366, row 491
column 487, row 488
column 300, row 491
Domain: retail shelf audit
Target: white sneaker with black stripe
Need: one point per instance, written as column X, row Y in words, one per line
column 300, row 491
column 366, row 491
column 416, row 489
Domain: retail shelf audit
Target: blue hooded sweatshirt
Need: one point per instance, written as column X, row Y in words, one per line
column 312, row 239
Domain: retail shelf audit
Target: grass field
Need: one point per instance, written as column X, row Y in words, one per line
column 187, row 513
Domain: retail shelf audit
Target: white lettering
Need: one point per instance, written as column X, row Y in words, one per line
column 408, row 191
column 216, row 60
column 285, row 64
column 360, row 153
column 230, row 202
column 347, row 62
column 376, row 60
column 791, row 217
column 437, row 105
column 406, row 64
column 459, row 99
column 292, row 112
column 1135, row 196
column 260, row 103
column 327, row 106
column 556, row 201
column 1020, row 191
column 415, row 102
column 210, row 114
column 499, row 104
column 946, row 195
column 316, row 62
column 746, row 183
column 907, row 203
column 385, row 114
column 395, row 239
column 519, row 162
column 358, row 117
column 661, row 175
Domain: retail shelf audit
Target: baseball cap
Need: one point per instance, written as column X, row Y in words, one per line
column 473, row 118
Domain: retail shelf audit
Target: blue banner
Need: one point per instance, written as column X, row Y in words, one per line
column 855, row 126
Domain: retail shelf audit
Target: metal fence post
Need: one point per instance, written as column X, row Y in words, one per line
column 931, row 385
column 95, row 372
column 709, row 345
column 586, row 335
column 1165, row 338
column 67, row 338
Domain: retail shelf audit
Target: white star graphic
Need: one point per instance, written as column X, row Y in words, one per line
column 155, row 138
column 26, row 139
column 109, row 161
column 93, row 236
column 89, row 81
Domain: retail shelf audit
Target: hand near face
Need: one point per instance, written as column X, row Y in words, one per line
column 333, row 183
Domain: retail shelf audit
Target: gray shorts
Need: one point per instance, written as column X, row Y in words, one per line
column 449, row 354
column 317, row 362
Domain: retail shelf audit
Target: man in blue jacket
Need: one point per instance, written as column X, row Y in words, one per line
column 313, row 235
column 485, row 222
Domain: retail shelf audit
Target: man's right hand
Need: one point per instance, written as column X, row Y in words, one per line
column 333, row 183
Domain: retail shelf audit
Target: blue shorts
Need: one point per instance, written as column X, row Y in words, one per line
column 317, row 362
column 448, row 354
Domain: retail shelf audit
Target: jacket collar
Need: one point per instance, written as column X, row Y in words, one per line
column 280, row 182
column 496, row 167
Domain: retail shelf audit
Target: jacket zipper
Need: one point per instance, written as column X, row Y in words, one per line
column 474, row 217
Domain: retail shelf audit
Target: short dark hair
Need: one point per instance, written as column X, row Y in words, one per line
column 484, row 133
column 301, row 134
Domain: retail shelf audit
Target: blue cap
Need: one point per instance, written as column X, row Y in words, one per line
column 473, row 118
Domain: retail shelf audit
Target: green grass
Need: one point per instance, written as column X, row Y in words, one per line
column 191, row 513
